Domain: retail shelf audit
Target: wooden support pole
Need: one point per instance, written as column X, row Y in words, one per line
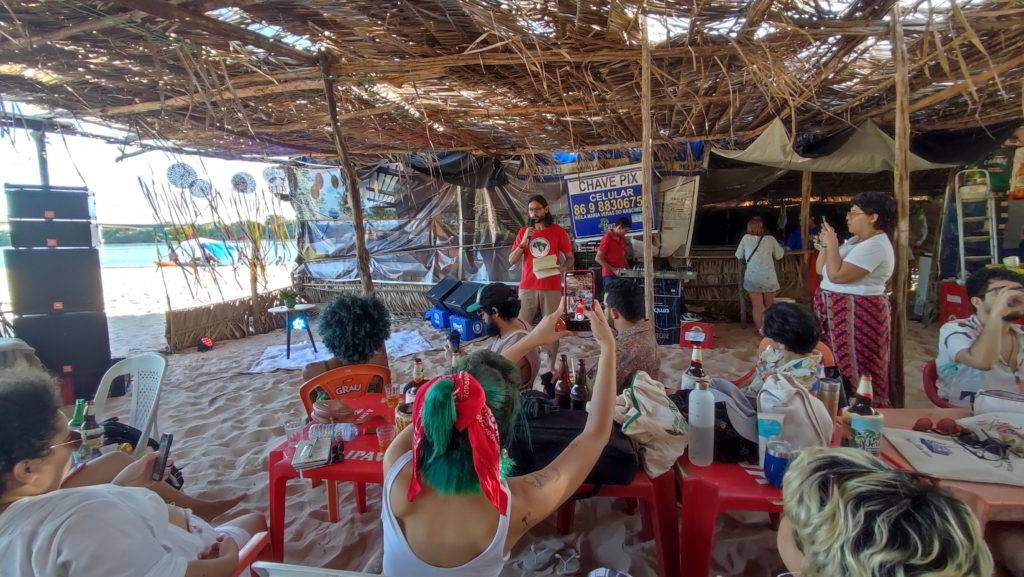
column 647, row 176
column 358, row 226
column 805, row 215
column 462, row 231
column 44, row 164
column 901, row 189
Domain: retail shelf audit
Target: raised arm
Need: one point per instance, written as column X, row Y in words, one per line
column 839, row 270
column 522, row 240
column 983, row 353
column 537, row 495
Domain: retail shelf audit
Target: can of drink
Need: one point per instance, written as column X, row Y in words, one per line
column 777, row 456
column 828, row 392
column 866, row 432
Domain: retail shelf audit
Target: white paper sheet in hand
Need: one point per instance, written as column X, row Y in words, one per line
column 944, row 458
column 404, row 343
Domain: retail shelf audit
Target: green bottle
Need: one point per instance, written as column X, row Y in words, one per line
column 78, row 418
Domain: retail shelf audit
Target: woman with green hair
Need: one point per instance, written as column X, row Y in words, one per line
column 847, row 514
column 449, row 507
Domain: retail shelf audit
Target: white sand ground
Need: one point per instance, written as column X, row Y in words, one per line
column 225, row 421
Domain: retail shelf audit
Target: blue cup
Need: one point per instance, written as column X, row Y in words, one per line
column 776, row 460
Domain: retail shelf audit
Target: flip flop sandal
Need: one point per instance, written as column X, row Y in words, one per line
column 539, row 559
column 568, row 565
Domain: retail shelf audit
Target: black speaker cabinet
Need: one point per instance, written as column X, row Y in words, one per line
column 54, row 280
column 462, row 297
column 72, row 345
column 49, row 202
column 53, row 234
column 442, row 290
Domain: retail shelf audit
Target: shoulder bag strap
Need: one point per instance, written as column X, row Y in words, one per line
column 753, row 252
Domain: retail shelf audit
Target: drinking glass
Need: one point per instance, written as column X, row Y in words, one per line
column 385, row 434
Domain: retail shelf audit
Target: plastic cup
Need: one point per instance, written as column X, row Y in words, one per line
column 293, row 430
column 386, row 434
column 769, row 428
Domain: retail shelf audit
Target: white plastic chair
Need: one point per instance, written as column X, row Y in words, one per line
column 146, row 372
column 265, row 569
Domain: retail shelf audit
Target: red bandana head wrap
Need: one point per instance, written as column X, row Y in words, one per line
column 474, row 416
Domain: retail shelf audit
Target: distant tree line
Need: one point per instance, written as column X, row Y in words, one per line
column 273, row 227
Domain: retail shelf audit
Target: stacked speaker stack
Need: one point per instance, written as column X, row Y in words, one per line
column 451, row 297
column 53, row 272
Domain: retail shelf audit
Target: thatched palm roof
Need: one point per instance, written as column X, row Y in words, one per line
column 503, row 76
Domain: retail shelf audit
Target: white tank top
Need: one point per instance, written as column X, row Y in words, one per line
column 399, row 559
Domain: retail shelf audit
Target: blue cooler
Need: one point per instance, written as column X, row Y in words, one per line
column 469, row 329
column 439, row 318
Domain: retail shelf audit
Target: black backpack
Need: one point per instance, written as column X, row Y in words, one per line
column 539, row 441
column 730, row 446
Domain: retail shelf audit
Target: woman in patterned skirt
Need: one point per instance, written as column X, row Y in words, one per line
column 851, row 303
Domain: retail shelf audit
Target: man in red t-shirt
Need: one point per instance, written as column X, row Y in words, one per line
column 546, row 253
column 611, row 253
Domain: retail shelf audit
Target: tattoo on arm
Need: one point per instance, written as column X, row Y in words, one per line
column 543, row 477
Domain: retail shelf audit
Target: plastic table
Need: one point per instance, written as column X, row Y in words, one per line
column 363, row 464
column 299, row 311
column 708, row 491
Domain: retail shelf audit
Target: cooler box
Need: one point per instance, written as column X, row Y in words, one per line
column 469, row 329
column 697, row 334
column 439, row 317
column 953, row 302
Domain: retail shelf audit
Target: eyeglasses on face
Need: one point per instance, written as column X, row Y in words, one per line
column 74, row 441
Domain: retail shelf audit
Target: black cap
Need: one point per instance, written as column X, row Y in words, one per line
column 492, row 296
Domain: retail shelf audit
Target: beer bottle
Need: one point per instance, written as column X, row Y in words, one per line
column 865, row 396
column 564, row 389
column 418, row 379
column 578, row 395
column 78, row 417
column 695, row 372
column 92, row 434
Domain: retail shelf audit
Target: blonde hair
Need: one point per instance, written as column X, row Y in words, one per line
column 853, row 516
column 756, row 226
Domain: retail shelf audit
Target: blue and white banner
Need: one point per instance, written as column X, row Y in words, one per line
column 597, row 200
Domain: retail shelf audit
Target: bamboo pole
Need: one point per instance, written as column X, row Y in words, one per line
column 462, row 230
column 645, row 169
column 358, row 226
column 805, row 214
column 901, row 189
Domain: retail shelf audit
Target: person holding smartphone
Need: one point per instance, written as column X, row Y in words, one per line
column 545, row 251
column 118, row 529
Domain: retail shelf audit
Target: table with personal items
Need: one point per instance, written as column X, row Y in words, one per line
column 727, row 447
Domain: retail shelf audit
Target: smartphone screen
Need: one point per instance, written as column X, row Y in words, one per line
column 161, row 462
column 578, row 288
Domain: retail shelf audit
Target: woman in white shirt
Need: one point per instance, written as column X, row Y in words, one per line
column 759, row 250
column 851, row 303
column 113, row 530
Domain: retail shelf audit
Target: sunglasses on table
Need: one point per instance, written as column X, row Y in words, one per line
column 74, row 441
column 987, row 448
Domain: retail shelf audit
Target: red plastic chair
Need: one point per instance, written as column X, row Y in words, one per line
column 345, row 382
column 249, row 553
column 930, row 379
column 660, row 516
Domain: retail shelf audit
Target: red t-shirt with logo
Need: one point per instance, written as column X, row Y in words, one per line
column 551, row 240
column 613, row 247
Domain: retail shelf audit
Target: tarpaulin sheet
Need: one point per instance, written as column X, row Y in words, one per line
column 863, row 150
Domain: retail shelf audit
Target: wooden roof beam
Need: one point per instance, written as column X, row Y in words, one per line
column 222, row 94
column 223, row 30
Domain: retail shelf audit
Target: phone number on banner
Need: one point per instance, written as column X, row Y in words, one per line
column 607, row 207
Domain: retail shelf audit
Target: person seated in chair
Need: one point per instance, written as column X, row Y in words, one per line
column 986, row 350
column 636, row 345
column 499, row 305
column 354, row 329
column 118, row 529
column 790, row 347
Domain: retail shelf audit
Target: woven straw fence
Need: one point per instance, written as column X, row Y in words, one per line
column 717, row 288
column 401, row 299
column 222, row 321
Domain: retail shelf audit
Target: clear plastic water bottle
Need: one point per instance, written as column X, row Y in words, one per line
column 702, row 424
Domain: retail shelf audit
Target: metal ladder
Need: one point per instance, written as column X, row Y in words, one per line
column 978, row 246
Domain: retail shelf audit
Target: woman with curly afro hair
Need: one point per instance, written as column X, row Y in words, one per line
column 354, row 328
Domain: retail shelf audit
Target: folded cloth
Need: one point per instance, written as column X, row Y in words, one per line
column 652, row 421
